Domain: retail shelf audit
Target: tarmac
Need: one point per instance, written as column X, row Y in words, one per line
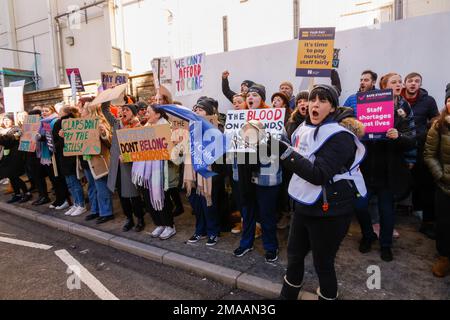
column 407, row 277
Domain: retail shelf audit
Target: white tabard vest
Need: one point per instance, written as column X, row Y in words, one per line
column 304, row 143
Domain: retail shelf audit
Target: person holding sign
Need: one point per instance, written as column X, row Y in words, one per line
column 12, row 163
column 152, row 178
column 68, row 165
column 119, row 175
column 387, row 172
column 96, row 168
column 259, row 186
column 45, row 152
column 324, row 158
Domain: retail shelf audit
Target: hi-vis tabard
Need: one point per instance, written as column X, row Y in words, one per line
column 304, row 143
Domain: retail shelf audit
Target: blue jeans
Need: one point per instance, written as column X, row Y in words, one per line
column 99, row 195
column 386, row 212
column 266, row 206
column 207, row 218
column 76, row 190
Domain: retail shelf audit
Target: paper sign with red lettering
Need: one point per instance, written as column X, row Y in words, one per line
column 146, row 143
column 270, row 121
column 188, row 74
column 375, row 109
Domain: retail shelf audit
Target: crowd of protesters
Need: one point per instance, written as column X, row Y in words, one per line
column 329, row 172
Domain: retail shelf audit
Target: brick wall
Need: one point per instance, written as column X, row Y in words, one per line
column 140, row 86
column 56, row 95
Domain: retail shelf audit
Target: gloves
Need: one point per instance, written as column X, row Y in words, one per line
column 280, row 145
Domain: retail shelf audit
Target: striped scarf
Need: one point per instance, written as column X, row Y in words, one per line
column 154, row 176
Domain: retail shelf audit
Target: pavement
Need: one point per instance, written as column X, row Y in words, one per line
column 40, row 273
column 407, row 277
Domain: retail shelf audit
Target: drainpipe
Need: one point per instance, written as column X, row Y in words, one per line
column 55, row 51
column 61, row 65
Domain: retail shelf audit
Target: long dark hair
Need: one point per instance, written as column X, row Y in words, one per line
column 441, row 122
column 161, row 112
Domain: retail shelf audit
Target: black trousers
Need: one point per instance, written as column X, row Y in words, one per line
column 174, row 194
column 59, row 184
column 442, row 205
column 163, row 218
column 423, row 191
column 322, row 236
column 17, row 184
column 129, row 206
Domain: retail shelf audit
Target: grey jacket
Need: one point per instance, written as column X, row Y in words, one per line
column 127, row 188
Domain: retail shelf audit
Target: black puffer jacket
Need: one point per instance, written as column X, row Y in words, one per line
column 334, row 157
column 13, row 161
column 385, row 165
column 293, row 123
column 424, row 109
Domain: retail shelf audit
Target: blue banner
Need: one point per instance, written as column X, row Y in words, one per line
column 208, row 143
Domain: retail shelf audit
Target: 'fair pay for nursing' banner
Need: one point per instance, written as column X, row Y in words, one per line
column 188, row 74
column 375, row 109
column 315, row 52
column 145, row 143
column 81, row 137
column 272, row 120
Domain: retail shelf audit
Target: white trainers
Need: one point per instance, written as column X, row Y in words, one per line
column 78, row 212
column 70, row 211
column 157, row 232
column 168, row 233
column 65, row 205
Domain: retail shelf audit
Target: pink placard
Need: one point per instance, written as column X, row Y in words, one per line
column 377, row 117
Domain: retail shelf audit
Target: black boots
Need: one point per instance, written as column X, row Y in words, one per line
column 140, row 225
column 427, row 228
column 322, row 298
column 289, row 291
column 15, row 198
column 128, row 225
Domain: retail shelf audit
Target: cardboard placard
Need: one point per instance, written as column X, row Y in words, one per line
column 164, row 73
column 146, row 143
column 13, row 97
column 115, row 95
column 30, row 128
column 188, row 74
column 81, row 136
column 272, row 120
column 375, row 109
column 113, row 79
column 315, row 52
column 78, row 81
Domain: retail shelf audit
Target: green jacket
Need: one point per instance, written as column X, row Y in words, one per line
column 437, row 156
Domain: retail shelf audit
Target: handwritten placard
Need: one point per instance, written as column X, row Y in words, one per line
column 113, row 79
column 146, row 143
column 188, row 74
column 30, row 128
column 81, row 137
column 272, row 121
